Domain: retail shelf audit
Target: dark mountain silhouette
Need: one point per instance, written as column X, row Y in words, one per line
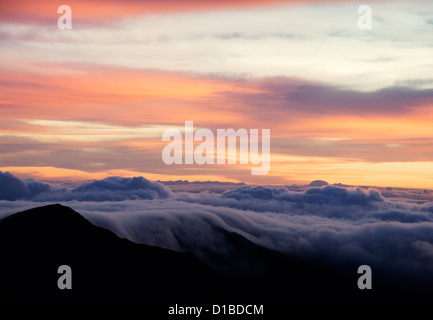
column 34, row 243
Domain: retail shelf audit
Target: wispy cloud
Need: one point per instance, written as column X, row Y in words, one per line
column 92, row 101
column 291, row 41
column 323, row 124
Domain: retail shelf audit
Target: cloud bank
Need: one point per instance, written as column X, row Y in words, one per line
column 13, row 188
column 343, row 227
column 109, row 189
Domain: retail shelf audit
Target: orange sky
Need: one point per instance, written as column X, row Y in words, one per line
column 101, row 110
column 68, row 120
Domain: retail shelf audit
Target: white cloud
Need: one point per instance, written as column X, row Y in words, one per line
column 322, row 43
column 62, row 130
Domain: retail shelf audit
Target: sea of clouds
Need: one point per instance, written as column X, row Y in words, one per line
column 332, row 225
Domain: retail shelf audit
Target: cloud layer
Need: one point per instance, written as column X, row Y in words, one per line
column 343, row 227
column 109, row 189
column 13, row 188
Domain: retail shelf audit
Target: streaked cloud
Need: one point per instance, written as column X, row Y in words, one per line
column 349, row 104
column 112, row 119
column 317, row 43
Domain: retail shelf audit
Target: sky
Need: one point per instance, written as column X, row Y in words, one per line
column 344, row 105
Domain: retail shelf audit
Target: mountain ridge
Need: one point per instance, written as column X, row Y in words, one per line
column 36, row 242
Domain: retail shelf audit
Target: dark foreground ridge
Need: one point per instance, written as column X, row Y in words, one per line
column 34, row 243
